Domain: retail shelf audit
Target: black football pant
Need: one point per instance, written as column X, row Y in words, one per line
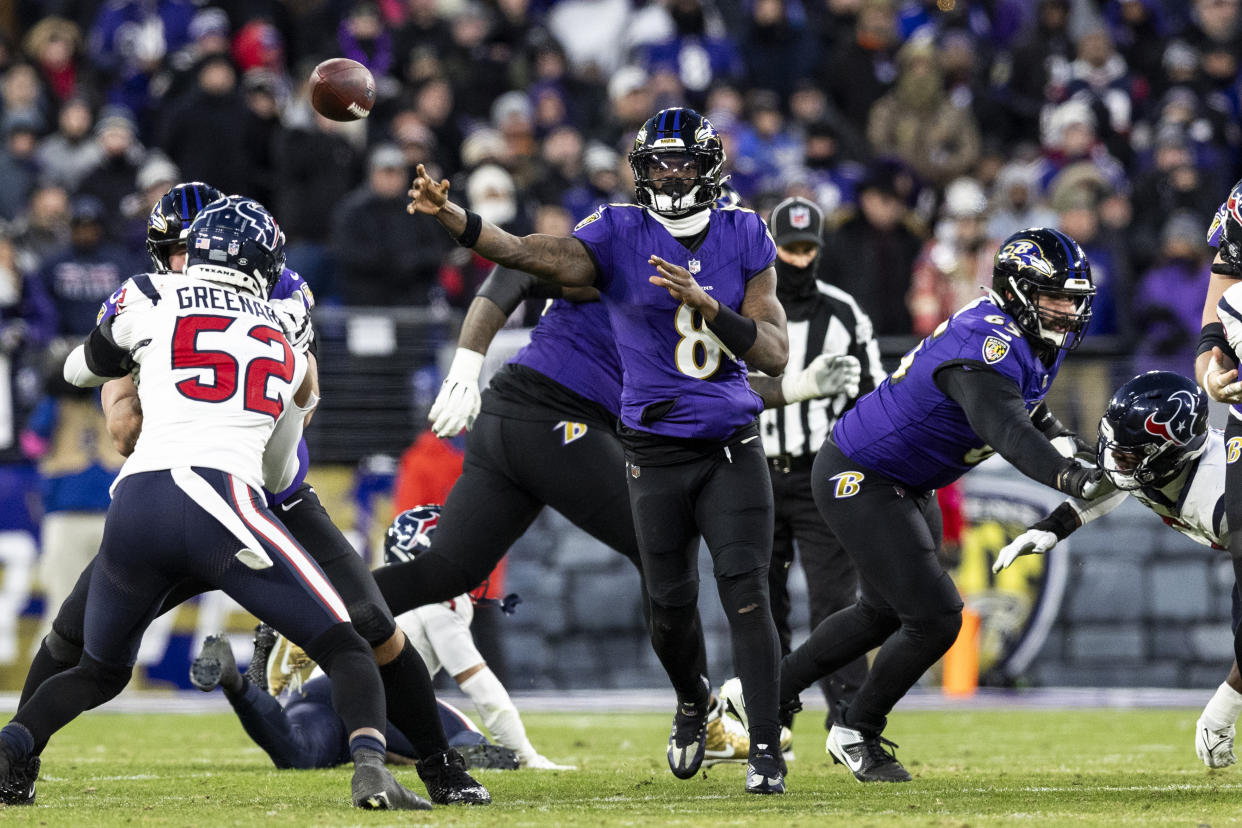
column 831, row 582
column 164, row 527
column 513, row 469
column 405, row 679
column 726, row 498
column 908, row 605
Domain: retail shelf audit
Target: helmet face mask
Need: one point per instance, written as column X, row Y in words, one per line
column 1042, row 279
column 1153, row 427
column 676, row 161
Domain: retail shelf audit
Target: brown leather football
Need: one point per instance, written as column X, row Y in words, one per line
column 342, row 89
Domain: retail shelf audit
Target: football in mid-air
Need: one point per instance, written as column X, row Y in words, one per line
column 342, row 89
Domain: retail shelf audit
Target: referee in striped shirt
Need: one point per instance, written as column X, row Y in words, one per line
column 821, row 320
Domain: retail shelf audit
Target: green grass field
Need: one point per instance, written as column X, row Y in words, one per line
column 1089, row 767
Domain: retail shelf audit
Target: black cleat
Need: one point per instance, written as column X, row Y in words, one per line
column 214, row 665
column 447, row 782
column 687, row 742
column 865, row 756
column 18, row 787
column 375, row 789
column 264, row 641
column 765, row 774
column 489, row 757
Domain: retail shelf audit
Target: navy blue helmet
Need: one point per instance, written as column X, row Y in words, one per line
column 170, row 218
column 1226, row 233
column 235, row 241
column 1038, row 266
column 1153, row 426
column 410, row 533
column 676, row 160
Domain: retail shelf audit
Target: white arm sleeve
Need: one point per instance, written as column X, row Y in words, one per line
column 280, row 456
column 1089, row 510
column 76, row 372
column 500, row 715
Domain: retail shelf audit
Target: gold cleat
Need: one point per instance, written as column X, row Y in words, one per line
column 727, row 740
column 288, row 667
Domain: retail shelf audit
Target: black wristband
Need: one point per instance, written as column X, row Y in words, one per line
column 474, row 226
column 1047, row 422
column 1213, row 336
column 736, row 332
column 1061, row 522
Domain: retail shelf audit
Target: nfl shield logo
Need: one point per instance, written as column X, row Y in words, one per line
column 234, row 246
column 800, row 217
column 694, row 267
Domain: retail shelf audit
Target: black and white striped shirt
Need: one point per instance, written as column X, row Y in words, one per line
column 837, row 326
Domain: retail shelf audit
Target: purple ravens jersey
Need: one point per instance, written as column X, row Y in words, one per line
column 909, row 430
column 573, row 345
column 1213, row 238
column 678, row 381
column 289, row 284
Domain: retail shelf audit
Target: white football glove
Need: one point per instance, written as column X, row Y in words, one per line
column 295, row 318
column 540, row 762
column 826, row 376
column 458, row 403
column 1214, row 746
column 1030, row 542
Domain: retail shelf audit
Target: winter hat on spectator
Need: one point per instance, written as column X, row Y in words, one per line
column 155, row 170
column 386, row 157
column 22, row 121
column 259, row 44
column 491, row 193
column 625, row 80
column 482, row 145
column 964, row 198
column 1183, row 226
column 599, row 158
column 209, row 22
column 511, row 105
column 86, row 209
column 115, row 117
column 797, row 219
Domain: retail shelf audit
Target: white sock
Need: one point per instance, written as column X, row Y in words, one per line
column 1224, row 707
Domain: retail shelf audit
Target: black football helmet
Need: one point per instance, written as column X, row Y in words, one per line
column 410, row 533
column 235, row 241
column 170, row 219
column 1034, row 266
column 1153, row 426
column 676, row 160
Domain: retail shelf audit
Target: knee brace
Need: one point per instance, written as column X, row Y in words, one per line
column 375, row 624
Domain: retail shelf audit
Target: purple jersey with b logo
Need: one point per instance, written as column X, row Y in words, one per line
column 909, row 430
column 678, row 381
column 289, row 285
column 573, row 345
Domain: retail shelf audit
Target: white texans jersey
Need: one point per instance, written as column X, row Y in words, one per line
column 441, row 634
column 1193, row 504
column 215, row 374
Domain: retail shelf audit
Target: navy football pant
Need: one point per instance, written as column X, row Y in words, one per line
column 1233, row 515
column 308, row 733
column 831, row 582
column 908, row 605
column 164, row 527
column 724, row 496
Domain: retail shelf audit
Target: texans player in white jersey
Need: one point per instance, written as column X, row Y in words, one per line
column 1155, row 444
column 224, row 398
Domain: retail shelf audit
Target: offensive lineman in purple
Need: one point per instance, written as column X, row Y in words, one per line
column 573, row 345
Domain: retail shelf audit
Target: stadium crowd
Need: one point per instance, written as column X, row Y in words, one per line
column 925, row 135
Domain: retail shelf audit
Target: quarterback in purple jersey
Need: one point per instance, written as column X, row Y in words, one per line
column 689, row 288
column 974, row 387
column 298, row 508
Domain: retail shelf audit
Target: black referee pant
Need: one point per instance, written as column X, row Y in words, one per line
column 908, row 605
column 831, row 582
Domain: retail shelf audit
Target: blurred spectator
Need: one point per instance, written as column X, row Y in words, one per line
column 155, row 177
column 1175, row 183
column 1017, row 202
column 1070, row 138
column 204, row 130
column 87, row 271
column 434, row 105
column 383, row 256
column 18, row 165
column 22, row 92
column 918, row 123
column 956, row 265
column 316, row 167
column 120, row 158
column 513, row 118
column 363, row 37
column 1078, row 217
column 631, row 103
column 560, row 166
column 70, row 152
column 1100, row 78
column 1215, row 23
column 424, row 28
column 478, row 77
column 768, row 149
column 871, row 255
column 592, row 34
column 777, row 47
column 1139, row 30
column 261, row 125
column 128, row 43
column 832, row 179
column 55, row 46
column 602, row 185
column 416, row 141
column 699, row 50
column 1167, row 306
column 209, row 35
column 859, row 72
column 258, row 45
column 1037, row 69
column 44, row 229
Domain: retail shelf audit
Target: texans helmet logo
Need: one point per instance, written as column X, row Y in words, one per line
column 1234, row 207
column 1175, row 428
